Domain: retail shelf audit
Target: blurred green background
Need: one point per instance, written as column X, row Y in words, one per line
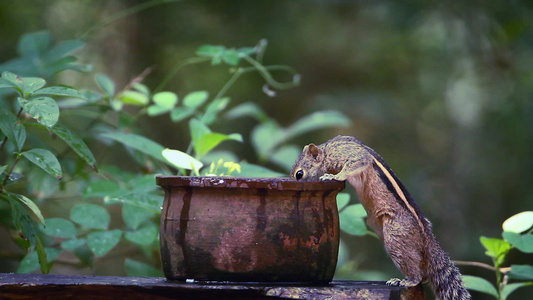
column 443, row 91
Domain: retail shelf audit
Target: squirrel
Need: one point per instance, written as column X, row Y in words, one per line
column 392, row 213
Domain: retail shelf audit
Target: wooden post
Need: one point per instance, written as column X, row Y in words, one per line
column 37, row 286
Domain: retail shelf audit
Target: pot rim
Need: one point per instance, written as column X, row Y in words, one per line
column 270, row 183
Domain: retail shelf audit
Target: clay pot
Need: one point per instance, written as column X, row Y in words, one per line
column 249, row 229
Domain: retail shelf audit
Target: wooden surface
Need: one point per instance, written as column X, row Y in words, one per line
column 37, row 286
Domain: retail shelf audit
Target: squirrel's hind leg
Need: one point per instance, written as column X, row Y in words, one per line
column 405, row 248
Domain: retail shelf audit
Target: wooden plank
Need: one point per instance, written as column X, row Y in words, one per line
column 37, row 286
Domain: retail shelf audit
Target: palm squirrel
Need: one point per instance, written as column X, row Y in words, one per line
column 392, row 212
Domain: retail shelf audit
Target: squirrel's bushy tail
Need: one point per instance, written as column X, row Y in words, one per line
column 445, row 277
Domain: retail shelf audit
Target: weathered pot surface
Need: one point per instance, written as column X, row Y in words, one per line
column 249, row 229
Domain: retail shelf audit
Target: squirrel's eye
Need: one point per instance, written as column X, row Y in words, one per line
column 299, row 174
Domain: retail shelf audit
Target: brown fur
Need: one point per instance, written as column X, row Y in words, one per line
column 392, row 213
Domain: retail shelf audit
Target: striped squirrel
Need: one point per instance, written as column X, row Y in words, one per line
column 392, row 212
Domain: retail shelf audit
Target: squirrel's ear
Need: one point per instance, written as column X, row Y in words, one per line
column 313, row 150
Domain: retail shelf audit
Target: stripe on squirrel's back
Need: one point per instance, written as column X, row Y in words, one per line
column 396, row 187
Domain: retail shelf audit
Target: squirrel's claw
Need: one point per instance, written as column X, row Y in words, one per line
column 327, row 177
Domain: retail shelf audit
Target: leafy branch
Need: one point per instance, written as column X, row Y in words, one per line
column 517, row 234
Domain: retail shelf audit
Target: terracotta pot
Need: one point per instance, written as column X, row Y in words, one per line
column 249, row 229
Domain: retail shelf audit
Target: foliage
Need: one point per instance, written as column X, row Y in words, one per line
column 38, row 57
column 88, row 231
column 517, row 234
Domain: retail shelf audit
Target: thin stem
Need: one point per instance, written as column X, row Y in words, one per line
column 181, row 64
column 9, row 173
column 261, row 48
column 20, row 112
column 3, row 143
column 474, row 263
column 241, row 71
column 5, row 138
column 124, row 13
column 373, row 234
column 228, row 84
column 268, row 77
column 138, row 79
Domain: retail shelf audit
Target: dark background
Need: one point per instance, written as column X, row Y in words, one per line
column 443, row 91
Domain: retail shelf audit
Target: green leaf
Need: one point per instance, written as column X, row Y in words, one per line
column 165, row 99
column 519, row 222
column 181, row 160
column 139, row 269
column 247, row 109
column 247, row 50
column 23, row 222
column 71, row 245
column 181, row 113
column 13, row 80
column 521, row 272
column 213, row 109
column 142, row 183
column 106, row 84
column 231, row 57
column 156, row 110
column 62, row 49
column 34, row 44
column 251, row 170
column 351, row 220
column 479, row 284
column 102, row 188
column 30, row 262
column 29, row 204
column 496, row 248
column 266, row 136
column 5, row 84
column 145, row 235
column 134, row 216
column 342, row 200
column 31, row 84
column 101, row 242
column 84, row 254
column 137, row 142
column 141, row 88
column 211, row 51
column 164, row 102
column 12, row 128
column 134, row 98
column 195, row 99
column 197, row 130
column 509, row 288
column 523, row 242
column 90, row 216
column 150, row 201
column 210, row 140
column 59, row 91
column 116, row 104
column 42, row 256
column 75, row 143
column 40, row 185
column 13, row 177
column 43, row 109
column 315, row 121
column 2, row 169
column 58, row 227
column 45, row 160
column 204, row 140
column 285, row 156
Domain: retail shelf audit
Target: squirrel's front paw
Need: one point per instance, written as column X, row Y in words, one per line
column 327, row 177
column 401, row 282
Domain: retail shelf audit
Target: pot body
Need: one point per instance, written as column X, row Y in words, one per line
column 249, row 229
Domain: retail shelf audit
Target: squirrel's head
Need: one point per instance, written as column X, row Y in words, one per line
column 308, row 166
